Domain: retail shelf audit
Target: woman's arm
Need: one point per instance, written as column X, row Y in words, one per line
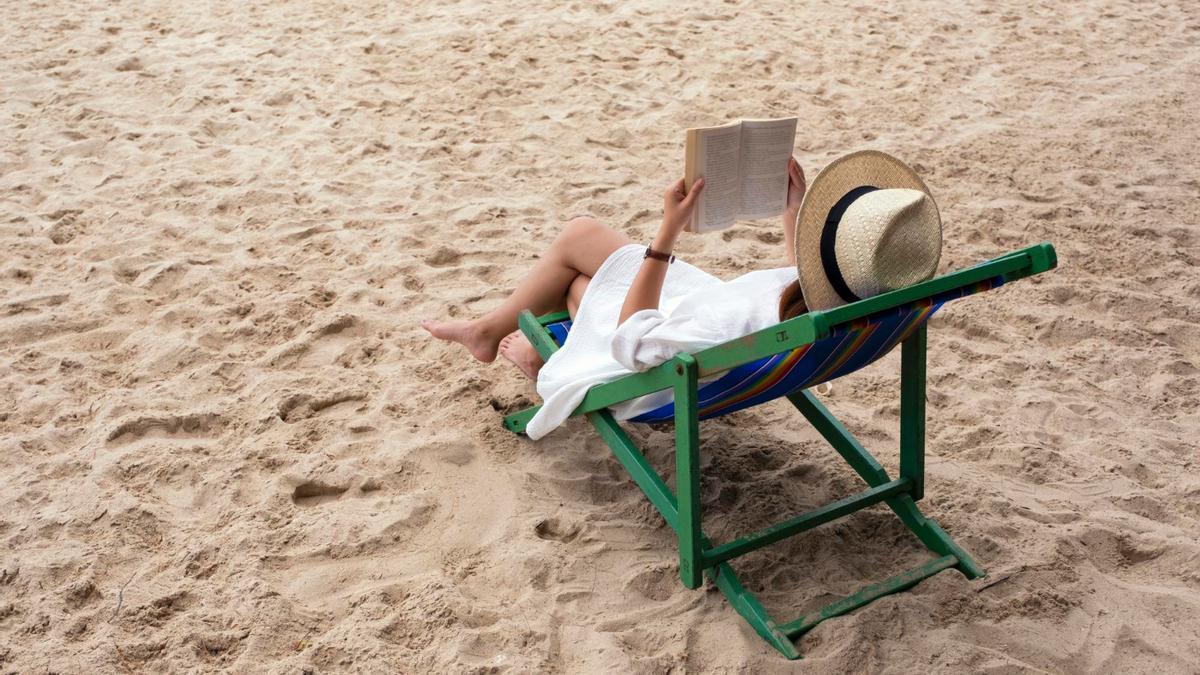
column 644, row 293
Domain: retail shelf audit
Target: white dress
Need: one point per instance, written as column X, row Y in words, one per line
column 696, row 310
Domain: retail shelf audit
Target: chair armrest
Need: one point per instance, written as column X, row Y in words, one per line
column 553, row 317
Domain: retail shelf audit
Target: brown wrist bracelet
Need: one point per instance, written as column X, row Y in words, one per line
column 659, row 255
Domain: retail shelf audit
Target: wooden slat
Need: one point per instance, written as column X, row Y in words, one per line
column 868, row 594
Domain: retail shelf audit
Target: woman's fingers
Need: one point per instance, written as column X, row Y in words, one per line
column 694, row 193
column 796, row 173
column 675, row 190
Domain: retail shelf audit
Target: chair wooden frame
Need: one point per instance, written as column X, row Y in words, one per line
column 697, row 555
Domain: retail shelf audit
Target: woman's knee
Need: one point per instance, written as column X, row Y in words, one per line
column 585, row 242
column 582, row 226
column 581, row 231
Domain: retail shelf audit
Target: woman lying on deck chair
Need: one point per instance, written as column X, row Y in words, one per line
column 868, row 225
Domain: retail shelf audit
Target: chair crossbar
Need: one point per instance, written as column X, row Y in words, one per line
column 553, row 317
column 806, row 521
column 867, row 595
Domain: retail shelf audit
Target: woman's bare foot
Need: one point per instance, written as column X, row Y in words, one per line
column 516, row 348
column 466, row 333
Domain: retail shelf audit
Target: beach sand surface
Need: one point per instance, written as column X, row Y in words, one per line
column 226, row 445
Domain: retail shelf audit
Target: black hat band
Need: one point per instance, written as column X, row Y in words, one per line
column 829, row 237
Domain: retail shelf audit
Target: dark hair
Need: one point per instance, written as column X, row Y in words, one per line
column 791, row 302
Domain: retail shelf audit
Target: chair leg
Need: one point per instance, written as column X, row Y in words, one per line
column 750, row 609
column 912, row 411
column 933, row 536
column 687, row 471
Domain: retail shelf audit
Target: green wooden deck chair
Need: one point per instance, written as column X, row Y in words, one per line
column 785, row 360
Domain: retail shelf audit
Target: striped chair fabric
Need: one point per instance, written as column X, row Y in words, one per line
column 849, row 347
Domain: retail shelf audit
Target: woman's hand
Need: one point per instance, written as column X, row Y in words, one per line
column 678, row 204
column 796, row 186
column 795, row 197
column 646, row 288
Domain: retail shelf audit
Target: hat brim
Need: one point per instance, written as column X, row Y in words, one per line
column 866, row 167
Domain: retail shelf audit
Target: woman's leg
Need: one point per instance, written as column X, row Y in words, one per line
column 516, row 347
column 575, row 293
column 582, row 246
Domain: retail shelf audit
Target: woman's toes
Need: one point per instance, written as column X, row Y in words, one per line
column 443, row 330
column 465, row 333
column 507, row 342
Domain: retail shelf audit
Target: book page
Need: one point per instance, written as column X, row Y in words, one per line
column 766, row 146
column 713, row 154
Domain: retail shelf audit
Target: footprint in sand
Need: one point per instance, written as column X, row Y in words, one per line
column 657, row 583
column 553, row 529
column 33, row 304
column 314, row 493
column 323, row 344
column 66, row 224
column 303, row 406
column 130, row 64
column 195, row 425
column 1115, row 552
column 443, row 257
column 163, row 278
column 160, row 610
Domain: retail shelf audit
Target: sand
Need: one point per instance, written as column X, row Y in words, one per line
column 225, row 443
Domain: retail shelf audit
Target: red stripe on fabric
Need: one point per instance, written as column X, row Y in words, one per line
column 771, row 379
column 847, row 352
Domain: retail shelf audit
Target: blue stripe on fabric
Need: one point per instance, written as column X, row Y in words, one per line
column 559, row 331
column 728, row 385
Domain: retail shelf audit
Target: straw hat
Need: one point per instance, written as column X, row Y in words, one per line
column 867, row 225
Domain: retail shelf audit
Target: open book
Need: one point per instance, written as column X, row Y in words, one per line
column 744, row 165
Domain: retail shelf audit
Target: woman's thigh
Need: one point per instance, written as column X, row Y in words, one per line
column 585, row 243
